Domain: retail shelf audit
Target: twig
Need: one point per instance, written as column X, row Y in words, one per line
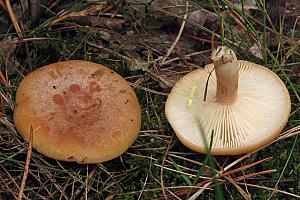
column 133, row 63
column 290, row 52
column 240, row 190
column 286, row 134
column 146, row 179
column 187, row 56
column 26, row 169
column 181, row 55
column 181, row 172
column 13, row 18
column 85, row 12
column 7, row 97
column 271, row 189
column 178, row 35
column 213, row 41
column 289, row 133
column 226, row 175
column 197, row 194
column 3, row 79
column 234, row 171
column 23, row 40
column 162, row 168
column 243, row 167
column 240, row 21
column 254, row 174
column 160, row 79
column 209, row 41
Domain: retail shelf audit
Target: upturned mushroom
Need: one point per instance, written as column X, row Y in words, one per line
column 244, row 105
column 78, row 110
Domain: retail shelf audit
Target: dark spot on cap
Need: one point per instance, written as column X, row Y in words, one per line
column 54, row 87
column 74, row 88
column 58, row 99
column 75, row 111
column 126, row 101
column 94, row 87
column 122, row 91
column 64, row 92
column 111, row 72
column 96, row 73
column 131, row 120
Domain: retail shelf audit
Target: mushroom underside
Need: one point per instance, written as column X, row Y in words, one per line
column 258, row 114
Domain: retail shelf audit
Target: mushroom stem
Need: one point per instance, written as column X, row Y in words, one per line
column 226, row 67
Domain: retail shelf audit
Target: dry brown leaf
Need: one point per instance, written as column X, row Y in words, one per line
column 7, row 61
column 96, row 21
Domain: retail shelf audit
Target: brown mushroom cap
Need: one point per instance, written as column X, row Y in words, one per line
column 252, row 118
column 78, row 110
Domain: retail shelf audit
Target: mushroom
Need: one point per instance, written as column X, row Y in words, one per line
column 78, row 111
column 239, row 105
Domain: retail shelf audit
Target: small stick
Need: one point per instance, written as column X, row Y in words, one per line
column 227, row 176
column 178, row 35
column 84, row 12
column 162, row 168
column 244, row 167
column 131, row 62
column 3, row 79
column 240, row 190
column 26, row 169
column 181, row 55
column 13, row 18
column 270, row 189
column 187, row 56
column 197, row 194
column 213, row 41
column 289, row 133
column 254, row 174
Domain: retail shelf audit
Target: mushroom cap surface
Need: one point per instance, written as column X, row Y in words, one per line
column 256, row 117
column 78, row 110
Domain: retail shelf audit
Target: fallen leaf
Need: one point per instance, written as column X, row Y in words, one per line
column 256, row 50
